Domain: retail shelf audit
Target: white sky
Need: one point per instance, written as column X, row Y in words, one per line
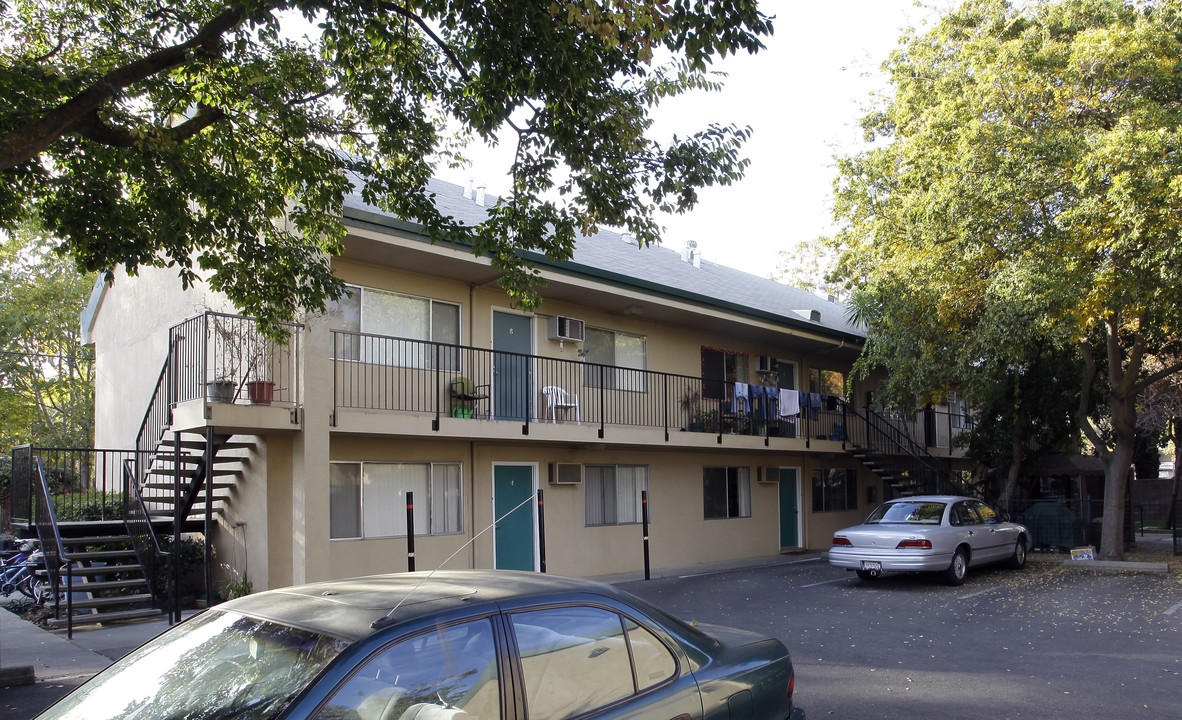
column 802, row 97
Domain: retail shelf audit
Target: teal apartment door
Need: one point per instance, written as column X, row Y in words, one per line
column 511, row 346
column 789, row 507
column 513, row 536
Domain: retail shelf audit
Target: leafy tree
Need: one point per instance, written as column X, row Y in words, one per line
column 1021, row 406
column 807, row 265
column 1026, row 191
column 46, row 375
column 201, row 135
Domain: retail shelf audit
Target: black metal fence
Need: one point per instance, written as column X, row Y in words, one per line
column 224, row 358
column 376, row 372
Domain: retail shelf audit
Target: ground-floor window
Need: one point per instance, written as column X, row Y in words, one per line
column 726, row 492
column 368, row 499
column 612, row 495
column 835, row 489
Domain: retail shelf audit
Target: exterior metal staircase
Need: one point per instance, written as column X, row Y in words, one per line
column 180, row 478
column 889, row 451
column 117, row 569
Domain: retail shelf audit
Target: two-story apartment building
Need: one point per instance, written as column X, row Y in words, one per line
column 716, row 394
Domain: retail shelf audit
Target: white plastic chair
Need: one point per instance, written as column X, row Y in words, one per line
column 559, row 399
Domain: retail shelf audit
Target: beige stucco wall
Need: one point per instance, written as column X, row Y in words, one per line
column 276, row 527
column 130, row 338
column 679, row 534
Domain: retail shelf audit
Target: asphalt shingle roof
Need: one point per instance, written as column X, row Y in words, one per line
column 607, row 251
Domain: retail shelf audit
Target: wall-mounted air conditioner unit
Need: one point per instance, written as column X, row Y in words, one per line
column 566, row 328
column 566, row 474
column 767, row 363
column 768, row 475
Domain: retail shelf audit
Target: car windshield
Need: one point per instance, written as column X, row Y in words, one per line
column 217, row 666
column 911, row 513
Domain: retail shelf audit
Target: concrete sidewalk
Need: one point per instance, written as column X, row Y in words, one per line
column 59, row 665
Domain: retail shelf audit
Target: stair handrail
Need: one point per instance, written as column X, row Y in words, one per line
column 897, row 439
column 144, row 540
column 159, row 413
column 56, row 559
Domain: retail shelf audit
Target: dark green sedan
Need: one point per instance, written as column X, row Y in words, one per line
column 461, row 645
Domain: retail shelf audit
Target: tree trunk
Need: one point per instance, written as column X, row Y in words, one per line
column 1116, row 478
column 1011, row 483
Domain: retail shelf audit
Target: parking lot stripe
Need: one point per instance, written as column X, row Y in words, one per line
column 753, row 567
column 979, row 592
column 825, row 582
column 1174, row 609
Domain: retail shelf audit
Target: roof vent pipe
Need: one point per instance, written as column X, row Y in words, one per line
column 697, row 258
column 468, row 190
column 689, row 251
column 627, row 238
column 480, row 195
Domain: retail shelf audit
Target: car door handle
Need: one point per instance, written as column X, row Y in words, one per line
column 970, row 533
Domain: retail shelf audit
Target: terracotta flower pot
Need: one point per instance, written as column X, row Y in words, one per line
column 260, row 392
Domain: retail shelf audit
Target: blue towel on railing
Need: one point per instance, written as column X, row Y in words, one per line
column 811, row 401
column 771, row 403
column 742, row 401
column 765, row 400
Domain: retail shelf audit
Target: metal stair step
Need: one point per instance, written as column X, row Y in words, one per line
column 104, row 570
column 199, row 444
column 169, row 486
column 97, row 618
column 108, row 585
column 102, row 555
column 94, row 540
column 109, row 601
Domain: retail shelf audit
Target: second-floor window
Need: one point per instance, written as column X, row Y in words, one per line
column 394, row 315
column 625, row 356
column 721, row 369
column 826, row 382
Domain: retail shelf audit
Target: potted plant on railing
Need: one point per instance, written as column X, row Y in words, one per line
column 691, row 405
column 239, row 361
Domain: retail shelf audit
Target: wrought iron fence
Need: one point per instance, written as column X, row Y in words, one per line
column 83, row 483
column 224, row 358
column 377, row 372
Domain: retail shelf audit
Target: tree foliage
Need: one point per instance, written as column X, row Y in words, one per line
column 1025, row 190
column 202, row 135
column 46, row 375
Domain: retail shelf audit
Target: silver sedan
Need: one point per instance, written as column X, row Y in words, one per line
column 947, row 534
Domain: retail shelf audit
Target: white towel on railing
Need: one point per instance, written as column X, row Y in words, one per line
column 789, row 403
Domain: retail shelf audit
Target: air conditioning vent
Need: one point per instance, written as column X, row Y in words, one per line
column 769, row 475
column 566, row 328
column 767, row 364
column 566, row 474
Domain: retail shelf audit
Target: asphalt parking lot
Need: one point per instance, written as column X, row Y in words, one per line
column 1045, row 642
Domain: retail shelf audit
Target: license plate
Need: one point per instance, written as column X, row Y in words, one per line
column 871, row 565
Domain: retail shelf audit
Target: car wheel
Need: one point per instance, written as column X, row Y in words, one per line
column 1018, row 559
column 958, row 568
column 867, row 574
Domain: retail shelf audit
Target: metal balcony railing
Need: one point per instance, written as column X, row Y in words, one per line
column 224, row 358
column 377, row 372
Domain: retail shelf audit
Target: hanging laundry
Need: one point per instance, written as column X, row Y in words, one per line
column 742, row 401
column 789, row 403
